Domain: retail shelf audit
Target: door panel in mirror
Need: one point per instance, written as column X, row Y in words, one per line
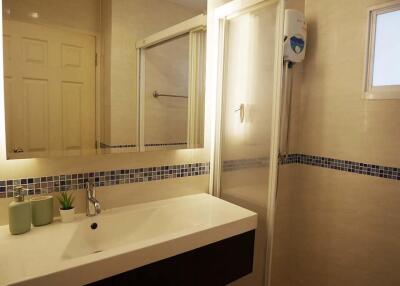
column 50, row 91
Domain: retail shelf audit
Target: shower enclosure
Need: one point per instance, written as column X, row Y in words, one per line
column 248, row 109
column 171, row 86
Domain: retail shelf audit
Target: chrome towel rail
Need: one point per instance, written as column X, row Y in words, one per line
column 156, row 94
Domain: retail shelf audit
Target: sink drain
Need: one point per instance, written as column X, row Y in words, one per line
column 93, row 226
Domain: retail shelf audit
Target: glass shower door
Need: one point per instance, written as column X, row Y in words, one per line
column 166, row 72
column 172, row 88
column 247, row 118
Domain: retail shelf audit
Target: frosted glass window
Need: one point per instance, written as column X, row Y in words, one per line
column 386, row 68
column 382, row 77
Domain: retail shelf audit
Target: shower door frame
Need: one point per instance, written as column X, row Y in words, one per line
column 196, row 23
column 221, row 16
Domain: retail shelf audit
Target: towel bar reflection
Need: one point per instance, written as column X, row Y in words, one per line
column 156, row 94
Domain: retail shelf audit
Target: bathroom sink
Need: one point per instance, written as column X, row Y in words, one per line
column 113, row 230
column 118, row 240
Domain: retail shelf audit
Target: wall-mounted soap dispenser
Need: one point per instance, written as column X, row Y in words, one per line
column 19, row 213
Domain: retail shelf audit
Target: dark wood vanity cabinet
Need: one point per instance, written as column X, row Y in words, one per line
column 215, row 264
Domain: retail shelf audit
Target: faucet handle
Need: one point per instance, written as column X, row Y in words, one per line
column 97, row 207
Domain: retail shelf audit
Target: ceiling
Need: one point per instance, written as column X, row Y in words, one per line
column 197, row 5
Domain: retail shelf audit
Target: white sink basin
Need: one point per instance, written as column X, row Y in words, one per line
column 127, row 227
column 125, row 238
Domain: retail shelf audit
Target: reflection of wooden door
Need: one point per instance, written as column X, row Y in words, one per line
column 49, row 90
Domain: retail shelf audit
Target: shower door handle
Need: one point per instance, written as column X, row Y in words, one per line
column 241, row 110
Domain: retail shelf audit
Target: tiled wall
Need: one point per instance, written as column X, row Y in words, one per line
column 48, row 184
column 337, row 214
column 44, row 185
column 335, row 228
column 360, row 168
column 334, row 118
column 344, row 165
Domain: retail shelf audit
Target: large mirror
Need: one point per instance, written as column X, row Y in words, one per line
column 103, row 76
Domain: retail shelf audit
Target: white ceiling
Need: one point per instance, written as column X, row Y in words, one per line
column 197, row 5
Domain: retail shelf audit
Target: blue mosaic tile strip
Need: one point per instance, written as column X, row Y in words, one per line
column 44, row 185
column 232, row 165
column 392, row 173
column 164, row 144
column 106, row 146
column 289, row 159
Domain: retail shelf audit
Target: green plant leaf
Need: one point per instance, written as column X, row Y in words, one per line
column 66, row 200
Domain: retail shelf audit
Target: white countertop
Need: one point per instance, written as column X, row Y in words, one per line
column 132, row 236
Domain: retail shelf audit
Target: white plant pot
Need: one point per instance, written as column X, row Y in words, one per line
column 67, row 215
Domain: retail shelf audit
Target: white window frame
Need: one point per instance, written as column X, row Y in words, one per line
column 370, row 91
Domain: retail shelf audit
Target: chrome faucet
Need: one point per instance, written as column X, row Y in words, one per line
column 92, row 205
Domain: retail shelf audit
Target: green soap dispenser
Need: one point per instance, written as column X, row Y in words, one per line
column 19, row 213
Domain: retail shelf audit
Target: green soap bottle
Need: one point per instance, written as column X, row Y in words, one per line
column 19, row 213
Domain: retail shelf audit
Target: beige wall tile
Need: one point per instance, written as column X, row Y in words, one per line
column 283, row 250
column 335, row 119
column 343, row 229
column 338, row 228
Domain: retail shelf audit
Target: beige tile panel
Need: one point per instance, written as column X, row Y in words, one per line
column 282, row 250
column 331, row 116
column 343, row 229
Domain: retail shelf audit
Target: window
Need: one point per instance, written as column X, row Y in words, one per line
column 383, row 62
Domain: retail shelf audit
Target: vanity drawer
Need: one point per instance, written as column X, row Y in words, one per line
column 216, row 264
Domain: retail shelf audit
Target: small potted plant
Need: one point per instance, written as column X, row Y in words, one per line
column 67, row 210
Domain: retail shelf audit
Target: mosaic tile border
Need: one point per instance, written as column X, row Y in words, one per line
column 44, row 185
column 164, row 144
column 392, row 173
column 385, row 172
column 106, row 146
